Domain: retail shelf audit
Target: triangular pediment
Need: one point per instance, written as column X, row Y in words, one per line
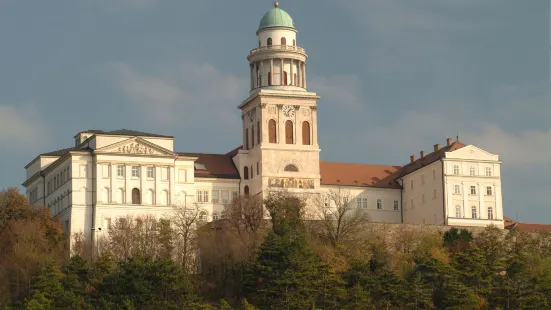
column 472, row 152
column 135, row 146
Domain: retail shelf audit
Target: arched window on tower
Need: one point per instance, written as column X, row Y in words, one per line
column 136, row 196
column 269, row 78
column 272, row 131
column 289, row 132
column 246, row 173
column 306, row 133
column 291, row 168
column 247, row 138
column 258, row 132
column 269, row 41
column 283, row 41
column 294, row 42
column 246, row 190
column 285, row 78
column 252, row 136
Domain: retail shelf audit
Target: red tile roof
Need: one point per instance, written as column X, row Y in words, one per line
column 217, row 166
column 430, row 158
column 359, row 175
column 526, row 227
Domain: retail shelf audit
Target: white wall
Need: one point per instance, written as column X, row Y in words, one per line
column 276, row 35
column 426, row 182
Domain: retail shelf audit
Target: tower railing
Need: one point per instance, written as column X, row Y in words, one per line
column 289, row 48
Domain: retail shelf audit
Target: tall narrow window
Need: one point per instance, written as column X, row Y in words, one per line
column 490, row 213
column 457, row 189
column 246, row 173
column 473, row 212
column 257, row 168
column 396, row 206
column 472, row 171
column 359, row 203
column 283, row 41
column 473, row 190
column 135, row 196
column 295, row 80
column 252, row 136
column 455, row 169
column 269, row 78
column 289, row 132
column 306, row 133
column 488, row 171
column 247, row 138
column 488, row 190
column 379, row 204
column 246, row 190
column 269, row 41
column 458, row 211
column 285, row 78
column 258, row 132
column 272, row 131
column 294, row 42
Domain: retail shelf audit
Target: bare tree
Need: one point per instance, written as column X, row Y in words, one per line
column 337, row 217
column 186, row 219
column 245, row 217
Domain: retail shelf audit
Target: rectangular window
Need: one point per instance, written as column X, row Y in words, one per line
column 489, row 190
column 396, row 206
column 488, row 171
column 359, row 203
column 457, row 189
column 473, row 190
column 135, row 171
column 422, row 179
column 364, row 203
column 234, row 194
column 225, row 197
column 205, row 196
column 472, row 171
column 411, row 204
column 150, row 172
column 455, row 169
column 379, row 204
column 215, row 198
column 199, row 196
column 120, row 171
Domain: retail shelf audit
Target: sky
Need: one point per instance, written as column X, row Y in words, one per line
column 395, row 77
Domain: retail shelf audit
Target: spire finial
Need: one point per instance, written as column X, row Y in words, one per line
column 276, row 4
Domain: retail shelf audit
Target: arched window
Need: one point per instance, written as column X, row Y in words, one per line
column 291, row 168
column 247, row 138
column 295, row 80
column 458, row 211
column 120, row 195
column 252, row 136
column 306, row 133
column 258, row 132
column 283, row 41
column 272, row 131
column 473, row 212
column 285, row 78
column 246, row 173
column 294, row 42
column 105, row 195
column 246, row 190
column 136, row 196
column 289, row 132
column 215, row 216
column 252, row 172
column 269, row 41
column 269, row 78
column 490, row 213
column 203, row 216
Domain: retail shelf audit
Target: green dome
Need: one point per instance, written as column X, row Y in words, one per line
column 276, row 17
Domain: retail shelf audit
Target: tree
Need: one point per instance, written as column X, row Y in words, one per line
column 340, row 219
column 185, row 220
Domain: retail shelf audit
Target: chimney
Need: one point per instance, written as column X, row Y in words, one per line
column 422, row 154
column 449, row 141
column 412, row 158
column 437, row 147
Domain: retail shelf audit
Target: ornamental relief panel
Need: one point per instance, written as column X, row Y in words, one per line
column 136, row 148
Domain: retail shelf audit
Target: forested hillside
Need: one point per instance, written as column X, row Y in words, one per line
column 245, row 262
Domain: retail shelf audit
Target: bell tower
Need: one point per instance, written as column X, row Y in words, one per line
column 279, row 118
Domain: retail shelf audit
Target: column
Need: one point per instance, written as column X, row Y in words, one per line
column 281, row 72
column 252, row 75
column 112, row 176
column 314, row 125
column 280, row 126
column 466, row 190
column 291, row 71
column 299, row 73
column 481, row 206
column 304, row 72
column 262, row 73
column 499, row 202
column 255, row 78
column 127, row 191
column 143, row 175
column 272, row 70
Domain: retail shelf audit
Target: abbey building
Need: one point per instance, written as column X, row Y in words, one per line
column 111, row 174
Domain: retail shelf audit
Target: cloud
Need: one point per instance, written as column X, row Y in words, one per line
column 136, row 4
column 21, row 128
column 186, row 94
column 342, row 90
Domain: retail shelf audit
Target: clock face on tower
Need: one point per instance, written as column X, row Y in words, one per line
column 288, row 111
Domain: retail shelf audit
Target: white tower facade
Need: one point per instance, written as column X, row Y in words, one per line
column 280, row 141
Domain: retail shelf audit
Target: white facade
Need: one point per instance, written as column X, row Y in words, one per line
column 107, row 175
